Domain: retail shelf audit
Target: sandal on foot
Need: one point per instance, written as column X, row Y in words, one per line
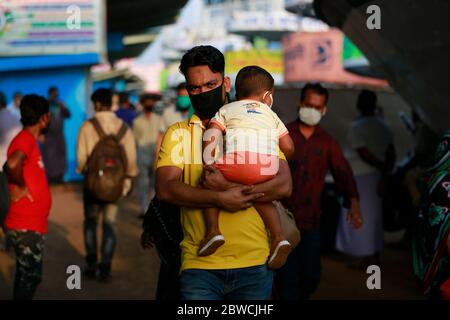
column 280, row 254
column 210, row 245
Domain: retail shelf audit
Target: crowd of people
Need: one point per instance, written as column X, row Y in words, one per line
column 221, row 164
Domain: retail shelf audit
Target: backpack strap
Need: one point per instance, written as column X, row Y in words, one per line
column 98, row 128
column 122, row 131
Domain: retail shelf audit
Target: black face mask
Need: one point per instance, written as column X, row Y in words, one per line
column 148, row 108
column 206, row 104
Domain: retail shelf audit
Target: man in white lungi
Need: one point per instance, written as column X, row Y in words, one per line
column 371, row 154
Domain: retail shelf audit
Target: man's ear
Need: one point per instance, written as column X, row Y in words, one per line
column 227, row 84
column 45, row 118
column 324, row 111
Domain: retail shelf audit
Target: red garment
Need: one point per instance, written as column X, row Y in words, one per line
column 313, row 158
column 248, row 168
column 445, row 290
column 26, row 214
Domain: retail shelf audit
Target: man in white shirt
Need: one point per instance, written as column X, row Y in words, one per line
column 371, row 155
column 14, row 105
column 180, row 111
column 146, row 132
column 9, row 128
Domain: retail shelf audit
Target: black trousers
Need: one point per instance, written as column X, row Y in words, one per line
column 168, row 283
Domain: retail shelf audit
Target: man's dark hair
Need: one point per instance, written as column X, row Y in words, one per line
column 149, row 96
column 181, row 86
column 252, row 81
column 124, row 97
column 367, row 101
column 315, row 87
column 52, row 89
column 32, row 108
column 102, row 96
column 203, row 55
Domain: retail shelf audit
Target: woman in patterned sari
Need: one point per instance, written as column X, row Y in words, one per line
column 431, row 247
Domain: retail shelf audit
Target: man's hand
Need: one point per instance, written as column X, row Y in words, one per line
column 127, row 185
column 354, row 215
column 213, row 179
column 238, row 198
column 18, row 193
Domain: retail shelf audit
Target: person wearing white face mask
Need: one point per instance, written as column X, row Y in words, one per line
column 310, row 115
column 316, row 153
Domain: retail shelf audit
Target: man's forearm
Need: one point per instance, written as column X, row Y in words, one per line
column 15, row 176
column 372, row 160
column 184, row 195
column 273, row 190
column 354, row 201
column 279, row 187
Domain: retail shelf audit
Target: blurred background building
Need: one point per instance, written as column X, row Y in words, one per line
column 136, row 46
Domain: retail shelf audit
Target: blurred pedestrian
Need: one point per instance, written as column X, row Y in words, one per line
column 126, row 110
column 104, row 124
column 27, row 219
column 180, row 111
column 14, row 106
column 146, row 131
column 405, row 192
column 316, row 153
column 54, row 145
column 371, row 154
column 115, row 102
column 9, row 128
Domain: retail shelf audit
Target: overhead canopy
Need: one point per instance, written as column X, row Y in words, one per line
column 411, row 49
column 136, row 17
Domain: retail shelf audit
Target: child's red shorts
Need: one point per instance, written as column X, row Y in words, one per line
column 248, row 167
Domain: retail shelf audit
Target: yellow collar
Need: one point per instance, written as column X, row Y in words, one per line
column 196, row 120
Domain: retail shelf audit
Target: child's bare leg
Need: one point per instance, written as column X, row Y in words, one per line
column 271, row 218
column 279, row 246
column 213, row 237
column 211, row 216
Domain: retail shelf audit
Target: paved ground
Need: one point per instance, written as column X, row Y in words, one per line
column 135, row 271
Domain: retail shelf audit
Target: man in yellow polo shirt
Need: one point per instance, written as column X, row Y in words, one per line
column 237, row 270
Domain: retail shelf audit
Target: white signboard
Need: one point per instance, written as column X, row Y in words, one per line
column 258, row 21
column 41, row 27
